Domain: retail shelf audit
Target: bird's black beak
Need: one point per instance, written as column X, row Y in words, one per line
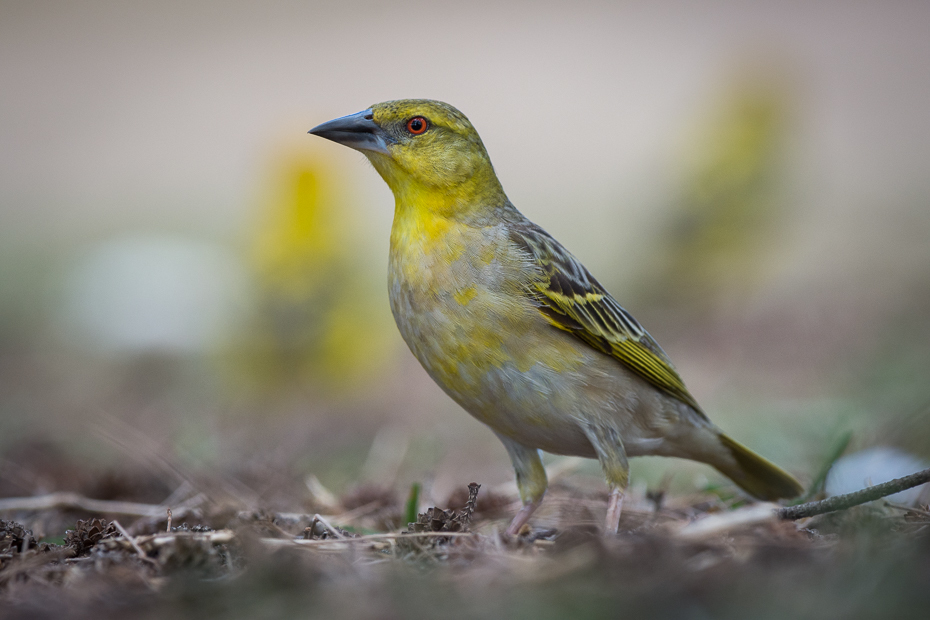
column 358, row 131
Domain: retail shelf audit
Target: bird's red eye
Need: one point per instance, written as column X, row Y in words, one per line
column 417, row 125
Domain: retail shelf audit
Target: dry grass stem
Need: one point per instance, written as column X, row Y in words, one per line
column 132, row 541
column 66, row 500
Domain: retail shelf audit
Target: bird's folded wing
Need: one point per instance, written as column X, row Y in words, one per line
column 572, row 300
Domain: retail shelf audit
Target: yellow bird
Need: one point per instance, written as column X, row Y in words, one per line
column 514, row 328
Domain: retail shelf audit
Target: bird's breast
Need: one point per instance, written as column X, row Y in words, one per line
column 456, row 297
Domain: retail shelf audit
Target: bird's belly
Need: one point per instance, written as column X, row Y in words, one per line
column 506, row 366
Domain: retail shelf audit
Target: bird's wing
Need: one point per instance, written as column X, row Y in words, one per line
column 572, row 300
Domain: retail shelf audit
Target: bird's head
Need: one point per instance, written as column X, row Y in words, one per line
column 427, row 152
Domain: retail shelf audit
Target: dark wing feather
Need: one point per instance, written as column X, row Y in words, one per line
column 572, row 300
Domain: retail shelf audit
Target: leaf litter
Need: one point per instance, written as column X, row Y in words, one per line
column 362, row 560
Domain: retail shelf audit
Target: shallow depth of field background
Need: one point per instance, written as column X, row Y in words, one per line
column 187, row 277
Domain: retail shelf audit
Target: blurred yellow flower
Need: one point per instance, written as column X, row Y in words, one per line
column 728, row 209
column 314, row 317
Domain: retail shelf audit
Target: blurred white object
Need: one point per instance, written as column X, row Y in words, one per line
column 874, row 466
column 154, row 293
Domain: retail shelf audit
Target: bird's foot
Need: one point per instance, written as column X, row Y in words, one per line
column 522, row 517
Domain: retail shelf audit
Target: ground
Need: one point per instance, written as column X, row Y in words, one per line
column 67, row 556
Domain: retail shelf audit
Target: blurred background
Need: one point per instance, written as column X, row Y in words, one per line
column 189, row 282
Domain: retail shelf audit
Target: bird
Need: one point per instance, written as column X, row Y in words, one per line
column 515, row 329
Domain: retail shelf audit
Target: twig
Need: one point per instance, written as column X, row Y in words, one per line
column 842, row 502
column 54, row 501
column 160, row 540
column 168, row 529
column 132, row 541
column 278, row 542
column 718, row 523
column 217, row 538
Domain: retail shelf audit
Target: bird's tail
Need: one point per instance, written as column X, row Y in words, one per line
column 755, row 475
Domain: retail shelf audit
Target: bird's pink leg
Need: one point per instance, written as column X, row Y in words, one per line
column 609, row 449
column 522, row 517
column 614, row 508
